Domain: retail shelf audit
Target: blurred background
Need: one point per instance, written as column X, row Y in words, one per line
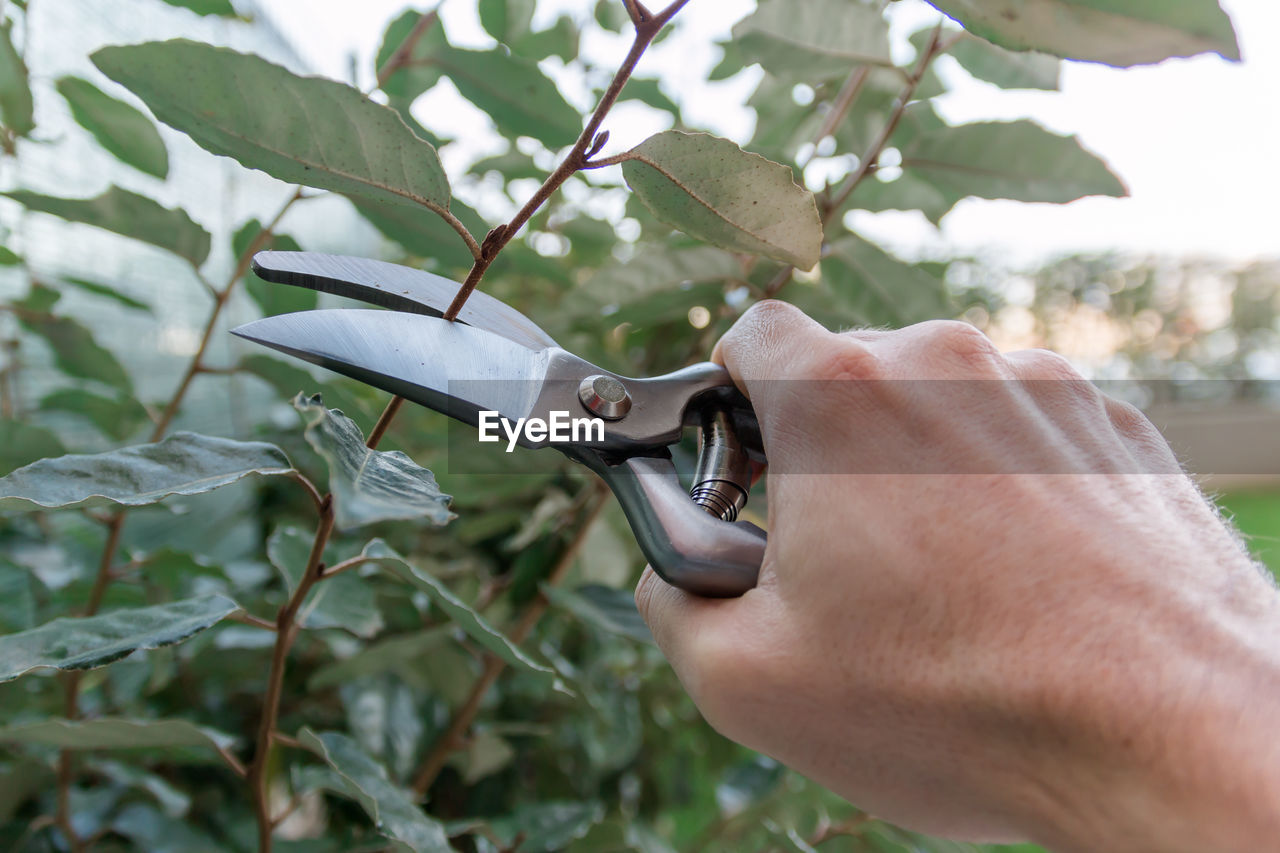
column 1171, row 294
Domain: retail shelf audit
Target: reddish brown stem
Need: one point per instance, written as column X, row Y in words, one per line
column 646, row 31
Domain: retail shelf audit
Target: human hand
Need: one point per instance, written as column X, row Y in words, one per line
column 993, row 610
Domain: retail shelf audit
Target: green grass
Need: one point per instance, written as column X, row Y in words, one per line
column 1257, row 514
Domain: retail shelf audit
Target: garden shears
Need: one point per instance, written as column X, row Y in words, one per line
column 493, row 359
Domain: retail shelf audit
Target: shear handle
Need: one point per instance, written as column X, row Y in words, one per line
column 686, row 546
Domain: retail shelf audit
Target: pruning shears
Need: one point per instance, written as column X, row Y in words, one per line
column 493, row 359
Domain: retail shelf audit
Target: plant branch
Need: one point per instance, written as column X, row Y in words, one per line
column 286, row 632
column 220, row 302
column 400, row 58
column 845, row 99
column 870, row 160
column 384, row 421
column 646, row 31
column 493, row 666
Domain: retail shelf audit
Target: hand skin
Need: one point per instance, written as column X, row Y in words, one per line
column 1086, row 660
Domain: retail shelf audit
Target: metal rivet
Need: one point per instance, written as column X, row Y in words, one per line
column 604, row 396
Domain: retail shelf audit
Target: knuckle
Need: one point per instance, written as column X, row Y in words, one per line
column 844, row 359
column 962, row 342
column 1129, row 420
column 1047, row 364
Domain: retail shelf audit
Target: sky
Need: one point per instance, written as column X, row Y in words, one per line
column 1197, row 140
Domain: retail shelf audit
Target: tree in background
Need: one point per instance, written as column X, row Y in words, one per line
column 224, row 643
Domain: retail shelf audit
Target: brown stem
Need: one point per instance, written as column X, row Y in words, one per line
column 286, row 632
column 493, row 666
column 646, row 31
column 400, row 58
column 384, row 421
column 871, row 158
column 845, row 99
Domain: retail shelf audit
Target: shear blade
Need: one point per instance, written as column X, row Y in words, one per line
column 451, row 368
column 397, row 287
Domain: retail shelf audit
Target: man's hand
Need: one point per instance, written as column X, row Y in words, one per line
column 998, row 615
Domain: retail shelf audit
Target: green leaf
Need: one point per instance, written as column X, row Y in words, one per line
column 547, row 827
column 393, row 654
column 420, row 72
column 392, row 808
column 506, row 20
column 23, row 443
column 221, row 8
column 76, row 352
column 814, row 37
column 274, row 298
column 1006, row 69
column 605, row 607
column 369, row 486
column 649, row 91
column 611, row 15
column 174, row 802
column 107, row 292
column 116, row 733
column 117, row 417
column 185, row 463
column 384, row 715
column 880, row 290
column 152, row 830
column 713, row 190
column 9, row 258
column 128, row 214
column 16, row 107
column 17, row 598
column 1015, row 160
column 94, row 641
column 118, row 127
column 425, row 236
column 485, row 754
column 560, row 39
column 346, row 601
column 1116, row 32
column 303, row 130
column 519, row 98
column 472, row 623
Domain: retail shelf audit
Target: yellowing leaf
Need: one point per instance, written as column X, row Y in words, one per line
column 711, row 189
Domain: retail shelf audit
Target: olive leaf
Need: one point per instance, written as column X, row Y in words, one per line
column 76, row 352
column 813, row 37
column 303, row 130
column 1008, row 69
column 711, row 189
column 1115, row 32
column 119, row 128
column 129, row 214
column 219, row 8
column 16, row 106
column 471, row 622
column 185, row 463
column 346, row 601
column 1017, row 160
column 94, row 641
column 117, row 417
column 116, row 733
column 392, row 808
column 369, row 486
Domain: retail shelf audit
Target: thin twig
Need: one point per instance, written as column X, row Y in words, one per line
column 871, row 158
column 384, row 421
column 400, row 58
column 220, row 302
column 249, row 619
column 303, row 480
column 345, row 565
column 845, row 99
column 463, row 717
column 645, row 32
column 286, row 632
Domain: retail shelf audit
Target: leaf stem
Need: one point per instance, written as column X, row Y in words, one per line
column 646, row 30
column 493, row 666
column 384, row 421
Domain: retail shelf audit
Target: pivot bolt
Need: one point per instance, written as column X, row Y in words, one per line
column 604, row 396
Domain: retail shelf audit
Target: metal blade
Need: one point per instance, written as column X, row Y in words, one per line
column 398, row 287
column 455, row 369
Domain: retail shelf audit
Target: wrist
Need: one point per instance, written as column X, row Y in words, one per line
column 1177, row 751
